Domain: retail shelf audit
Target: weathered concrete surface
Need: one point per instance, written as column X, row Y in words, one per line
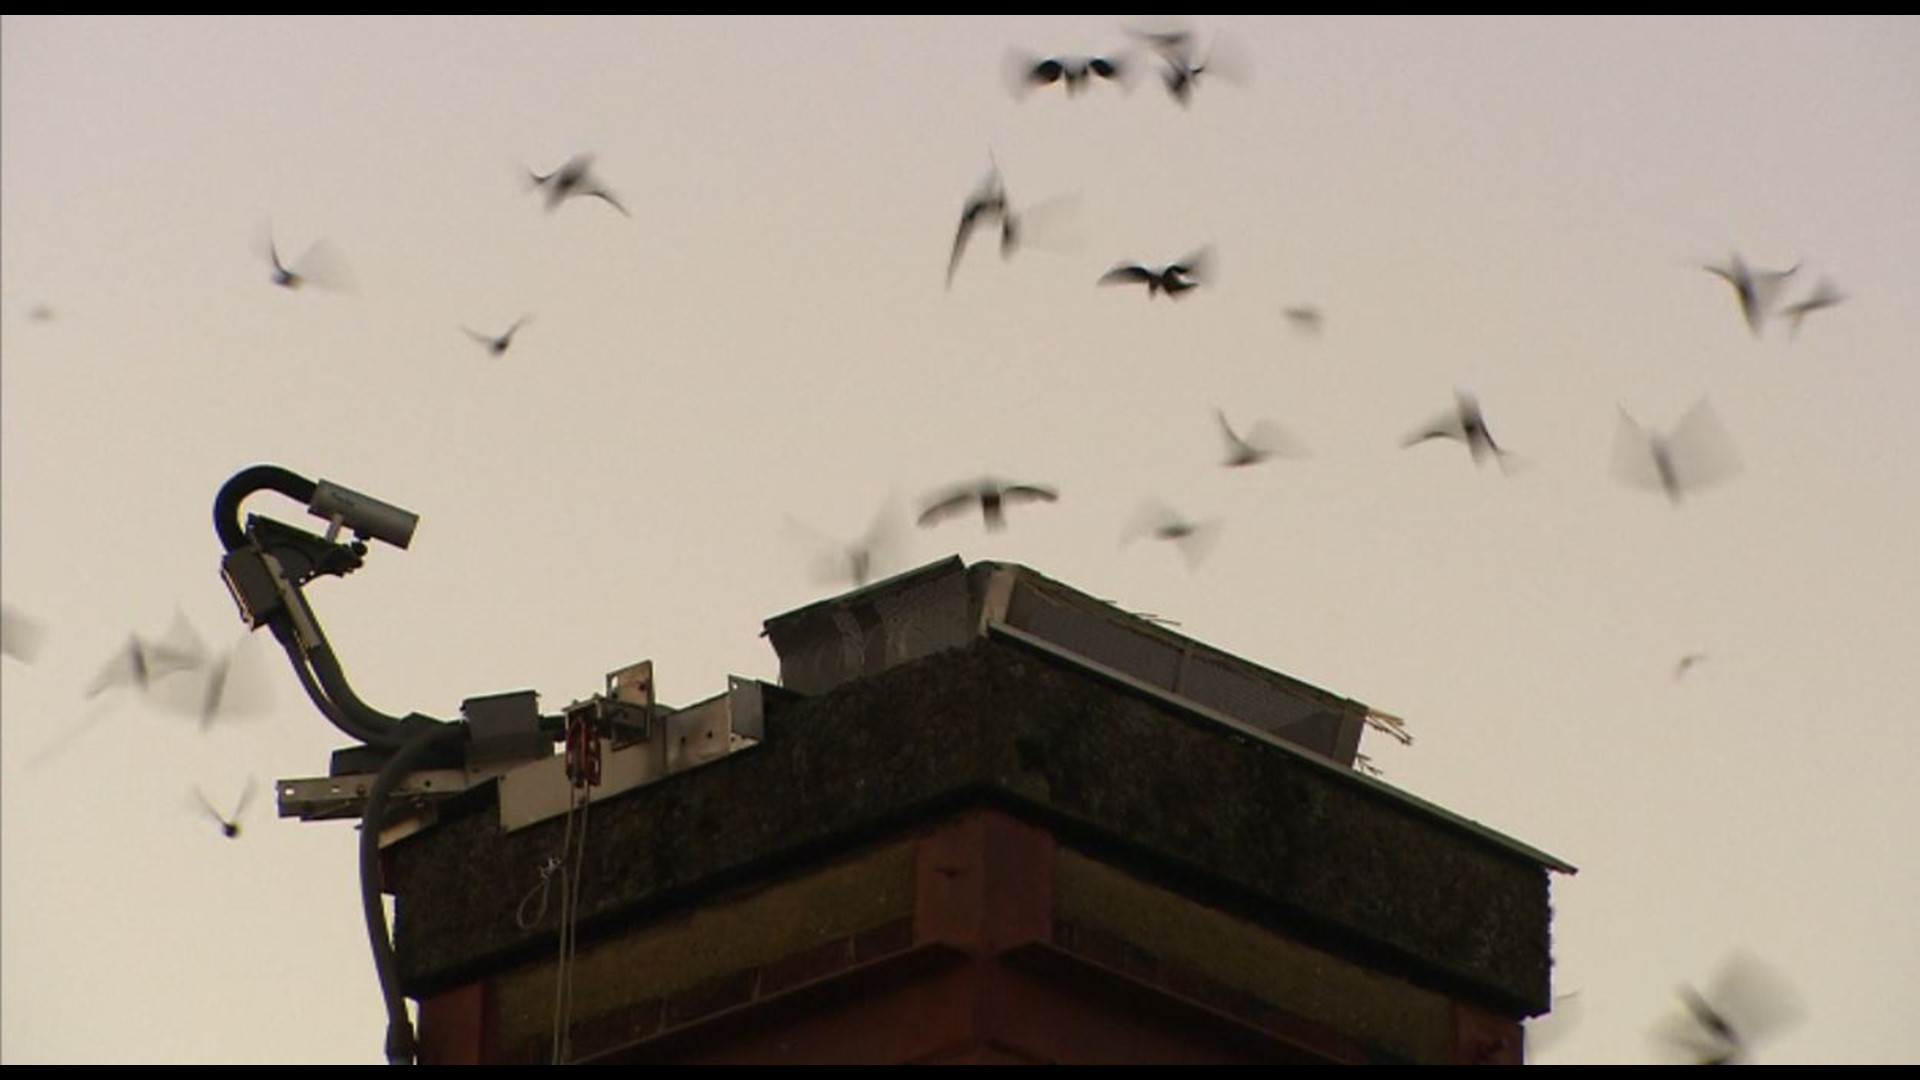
column 1230, row 821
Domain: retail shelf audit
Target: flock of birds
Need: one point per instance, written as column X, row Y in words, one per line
column 1715, row 1028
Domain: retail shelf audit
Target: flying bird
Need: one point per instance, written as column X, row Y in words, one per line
column 991, row 495
column 1697, row 453
column 1747, row 1002
column 987, row 203
column 497, row 344
column 1824, row 295
column 140, row 662
column 1305, row 319
column 858, row 561
column 229, row 824
column 1686, row 664
column 1156, row 520
column 1184, row 64
column 1172, row 279
column 1073, row 72
column 1465, row 424
column 575, row 179
column 1757, row 290
column 319, row 266
column 1265, row 439
column 224, row 685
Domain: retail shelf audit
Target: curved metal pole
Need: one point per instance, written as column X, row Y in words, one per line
column 226, row 505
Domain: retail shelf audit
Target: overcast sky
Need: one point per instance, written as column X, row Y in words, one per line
column 766, row 351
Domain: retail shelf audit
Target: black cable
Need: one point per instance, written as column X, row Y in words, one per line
column 419, row 738
column 226, row 505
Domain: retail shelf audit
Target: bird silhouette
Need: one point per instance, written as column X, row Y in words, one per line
column 987, row 203
column 1747, row 1002
column 319, row 266
column 497, row 344
column 858, row 561
column 1464, row 423
column 1263, row 440
column 575, row 179
column 1695, row 454
column 140, row 662
column 1305, row 319
column 1183, row 63
column 1073, row 72
column 1173, row 279
column 989, row 494
column 1824, row 295
column 229, row 824
column 1686, row 664
column 1757, row 290
column 1156, row 520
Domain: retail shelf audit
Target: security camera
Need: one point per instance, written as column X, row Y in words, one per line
column 368, row 517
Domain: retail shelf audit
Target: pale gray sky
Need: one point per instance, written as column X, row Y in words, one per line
column 1521, row 208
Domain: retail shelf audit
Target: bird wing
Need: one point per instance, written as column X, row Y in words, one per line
column 1199, row 542
column 1127, row 274
column 1446, row 426
column 1147, row 520
column 1270, row 438
column 1237, row 447
column 21, row 635
column 207, row 805
column 968, row 219
column 1699, row 449
column 1029, row 493
column 323, row 267
column 1024, row 71
column 1633, row 460
column 1195, row 267
column 609, row 198
column 951, row 502
column 122, row 668
column 246, row 797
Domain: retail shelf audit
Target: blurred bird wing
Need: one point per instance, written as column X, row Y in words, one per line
column 1151, row 516
column 1052, row 224
column 1700, row 451
column 1633, row 460
column 1270, row 438
column 201, row 800
column 1236, row 446
column 181, row 649
column 1029, row 493
column 1227, row 58
column 1024, row 71
column 1164, row 36
column 1128, row 274
column 1304, row 317
column 952, row 501
column 1754, row 999
column 246, row 797
column 1196, row 266
column 1117, row 67
column 1445, row 426
column 1200, row 540
column 120, row 669
column 232, row 685
column 323, row 267
column 21, row 635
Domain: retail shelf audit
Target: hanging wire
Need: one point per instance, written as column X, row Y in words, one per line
column 573, row 847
